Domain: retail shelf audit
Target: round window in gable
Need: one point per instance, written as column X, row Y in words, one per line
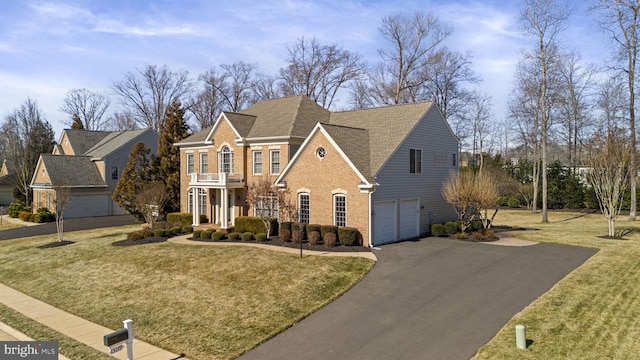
column 321, row 152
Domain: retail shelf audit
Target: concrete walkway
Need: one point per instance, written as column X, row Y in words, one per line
column 79, row 329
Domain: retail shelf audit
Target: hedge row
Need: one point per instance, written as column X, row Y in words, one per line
column 254, row 225
column 315, row 233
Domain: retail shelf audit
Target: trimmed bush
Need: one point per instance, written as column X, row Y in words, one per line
column 348, row 236
column 24, row 215
column 15, row 208
column 330, row 239
column 234, row 236
column 314, row 238
column 325, row 229
column 147, row 233
column 182, row 218
column 159, row 233
column 247, row 236
column 299, row 229
column 187, row 229
column 217, row 236
column 261, row 237
column 203, row 219
column 451, row 227
column 314, row 227
column 44, row 215
column 254, row 225
column 476, row 225
column 513, row 203
column 196, row 234
column 206, row 234
column 437, row 230
column 285, row 235
column 135, row 236
column 285, row 225
column 296, row 237
column 174, row 230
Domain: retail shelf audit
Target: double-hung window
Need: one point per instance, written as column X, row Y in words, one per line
column 275, row 161
column 114, row 173
column 257, row 162
column 340, row 210
column 303, row 207
column 415, row 161
column 204, row 162
column 226, row 160
column 190, row 164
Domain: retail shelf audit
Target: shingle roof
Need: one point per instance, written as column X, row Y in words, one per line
column 387, row 127
column 290, row 116
column 354, row 143
column 241, row 122
column 112, row 142
column 198, row 137
column 83, row 140
column 71, row 170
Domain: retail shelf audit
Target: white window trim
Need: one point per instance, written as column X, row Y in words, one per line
column 253, row 161
column 308, row 206
column 271, row 152
column 202, row 162
column 193, row 163
column 335, row 211
column 415, row 163
column 221, row 159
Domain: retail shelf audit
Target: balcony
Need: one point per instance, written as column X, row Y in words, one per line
column 217, row 180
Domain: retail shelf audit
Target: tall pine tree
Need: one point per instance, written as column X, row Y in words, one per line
column 77, row 123
column 134, row 177
column 165, row 167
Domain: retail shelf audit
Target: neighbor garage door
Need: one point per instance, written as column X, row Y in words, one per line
column 384, row 220
column 88, row 205
column 409, row 219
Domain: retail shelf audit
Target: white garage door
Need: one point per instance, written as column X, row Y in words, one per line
column 384, row 220
column 409, row 219
column 88, row 206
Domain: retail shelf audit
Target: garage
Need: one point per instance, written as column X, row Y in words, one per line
column 409, row 218
column 384, row 220
column 88, row 205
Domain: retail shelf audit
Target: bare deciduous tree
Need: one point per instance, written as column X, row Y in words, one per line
column 543, row 20
column 619, row 19
column 150, row 200
column 147, row 93
column 471, row 194
column 319, row 71
column 265, row 200
column 88, row 106
column 61, row 197
column 609, row 159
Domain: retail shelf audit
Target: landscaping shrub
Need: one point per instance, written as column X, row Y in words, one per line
column 32, row 218
column 147, row 233
column 314, row 238
column 24, row 215
column 158, row 233
column 313, row 227
column 44, row 215
column 437, row 230
column 135, row 236
column 451, row 227
column 254, row 225
column 161, row 225
column 285, row 225
column 234, row 236
column 513, row 203
column 182, row 218
column 15, row 208
column 285, row 235
column 187, row 229
column 299, row 229
column 460, row 235
column 476, row 225
column 197, row 233
column 203, row 219
column 261, row 237
column 348, row 236
column 296, row 237
column 325, row 229
column 206, row 234
column 329, row 239
column 247, row 236
column 217, row 236
column 174, row 230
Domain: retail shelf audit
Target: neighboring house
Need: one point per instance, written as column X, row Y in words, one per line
column 90, row 163
column 7, row 183
column 380, row 170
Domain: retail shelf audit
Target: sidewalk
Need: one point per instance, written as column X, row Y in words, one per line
column 79, row 329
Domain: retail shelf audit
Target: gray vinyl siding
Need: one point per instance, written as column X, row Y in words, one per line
column 434, row 138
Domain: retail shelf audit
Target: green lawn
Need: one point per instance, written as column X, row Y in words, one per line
column 210, row 302
column 594, row 312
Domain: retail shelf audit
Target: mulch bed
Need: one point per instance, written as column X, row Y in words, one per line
column 148, row 240
column 275, row 241
column 56, row 244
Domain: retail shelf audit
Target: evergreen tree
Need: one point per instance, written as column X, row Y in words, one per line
column 134, row 177
column 77, row 123
column 165, row 167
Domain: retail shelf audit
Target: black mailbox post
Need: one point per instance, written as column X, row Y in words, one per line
column 116, row 337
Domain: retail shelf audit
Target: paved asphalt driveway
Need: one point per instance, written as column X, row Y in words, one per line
column 69, row 225
column 429, row 299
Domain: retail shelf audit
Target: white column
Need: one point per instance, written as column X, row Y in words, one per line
column 196, row 206
column 224, row 205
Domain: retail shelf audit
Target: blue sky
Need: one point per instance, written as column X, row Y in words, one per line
column 50, row 47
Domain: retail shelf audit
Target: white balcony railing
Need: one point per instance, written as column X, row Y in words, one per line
column 216, row 178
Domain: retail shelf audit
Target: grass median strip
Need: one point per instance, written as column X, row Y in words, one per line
column 593, row 312
column 207, row 302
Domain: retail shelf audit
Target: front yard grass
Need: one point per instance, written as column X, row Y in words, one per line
column 6, row 225
column 209, row 302
column 593, row 313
